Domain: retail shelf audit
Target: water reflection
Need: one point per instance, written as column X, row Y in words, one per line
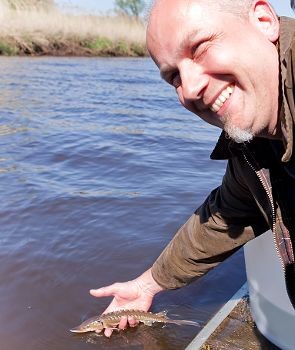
column 8, row 130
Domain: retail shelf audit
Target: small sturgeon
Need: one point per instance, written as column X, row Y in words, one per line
column 112, row 319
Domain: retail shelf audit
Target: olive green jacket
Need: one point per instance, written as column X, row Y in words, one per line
column 257, row 193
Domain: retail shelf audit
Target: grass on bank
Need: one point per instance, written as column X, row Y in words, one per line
column 48, row 31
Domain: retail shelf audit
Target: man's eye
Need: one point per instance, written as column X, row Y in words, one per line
column 202, row 47
column 199, row 50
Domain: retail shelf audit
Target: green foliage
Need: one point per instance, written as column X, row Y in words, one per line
column 106, row 47
column 138, row 50
column 98, row 45
column 8, row 49
column 130, row 7
column 121, row 48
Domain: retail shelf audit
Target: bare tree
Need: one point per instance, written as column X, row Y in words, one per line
column 130, row 7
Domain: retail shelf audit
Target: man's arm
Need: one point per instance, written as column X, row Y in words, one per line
column 228, row 218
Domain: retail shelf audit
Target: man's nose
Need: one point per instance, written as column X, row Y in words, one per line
column 193, row 80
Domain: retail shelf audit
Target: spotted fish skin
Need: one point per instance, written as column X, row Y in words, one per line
column 112, row 319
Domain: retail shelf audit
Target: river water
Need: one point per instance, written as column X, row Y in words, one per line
column 99, row 166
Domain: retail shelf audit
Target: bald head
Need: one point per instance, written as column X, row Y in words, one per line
column 240, row 7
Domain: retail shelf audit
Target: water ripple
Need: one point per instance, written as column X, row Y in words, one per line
column 99, row 166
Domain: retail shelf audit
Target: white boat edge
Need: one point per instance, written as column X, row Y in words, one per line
column 216, row 320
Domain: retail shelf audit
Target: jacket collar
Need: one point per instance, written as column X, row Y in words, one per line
column 287, row 65
column 224, row 147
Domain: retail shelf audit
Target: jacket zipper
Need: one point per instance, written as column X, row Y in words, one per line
column 269, row 195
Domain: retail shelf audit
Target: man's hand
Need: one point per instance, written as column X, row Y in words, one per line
column 136, row 294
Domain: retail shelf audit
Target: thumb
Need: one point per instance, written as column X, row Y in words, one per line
column 104, row 291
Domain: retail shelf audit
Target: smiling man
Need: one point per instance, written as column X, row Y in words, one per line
column 231, row 63
column 219, row 62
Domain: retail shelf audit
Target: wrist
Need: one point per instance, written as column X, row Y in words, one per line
column 147, row 284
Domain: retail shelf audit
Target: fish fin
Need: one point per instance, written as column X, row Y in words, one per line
column 148, row 323
column 110, row 325
column 162, row 313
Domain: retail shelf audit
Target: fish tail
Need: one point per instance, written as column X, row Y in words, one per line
column 184, row 322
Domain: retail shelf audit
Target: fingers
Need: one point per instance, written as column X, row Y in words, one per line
column 123, row 322
column 122, row 325
column 108, row 332
column 132, row 321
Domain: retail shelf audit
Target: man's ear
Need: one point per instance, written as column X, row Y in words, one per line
column 265, row 19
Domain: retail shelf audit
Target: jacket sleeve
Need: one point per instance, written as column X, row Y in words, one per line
column 227, row 219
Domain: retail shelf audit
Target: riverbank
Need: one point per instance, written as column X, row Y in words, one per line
column 36, row 32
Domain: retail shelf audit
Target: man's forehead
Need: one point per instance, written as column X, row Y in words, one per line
column 168, row 4
column 188, row 14
column 181, row 11
column 185, row 24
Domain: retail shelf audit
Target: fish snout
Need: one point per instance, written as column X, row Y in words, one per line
column 77, row 330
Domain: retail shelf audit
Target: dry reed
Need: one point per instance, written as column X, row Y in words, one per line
column 38, row 30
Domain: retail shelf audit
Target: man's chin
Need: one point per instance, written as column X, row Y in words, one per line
column 238, row 135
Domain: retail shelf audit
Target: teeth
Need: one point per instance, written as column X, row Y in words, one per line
column 225, row 94
column 221, row 99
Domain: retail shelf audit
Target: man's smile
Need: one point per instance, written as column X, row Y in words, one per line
column 222, row 98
